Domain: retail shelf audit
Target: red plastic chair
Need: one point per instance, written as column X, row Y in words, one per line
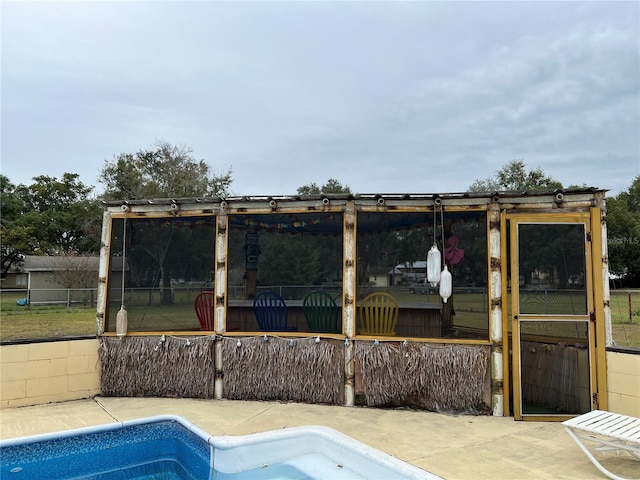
column 204, row 305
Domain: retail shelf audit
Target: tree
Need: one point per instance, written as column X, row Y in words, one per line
column 294, row 258
column 75, row 271
column 326, row 251
column 623, row 232
column 65, row 215
column 332, row 186
column 48, row 217
column 288, row 260
column 161, row 250
column 163, row 171
column 514, row 177
column 16, row 240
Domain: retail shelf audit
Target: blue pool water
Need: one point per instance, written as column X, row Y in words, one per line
column 148, row 451
column 170, row 448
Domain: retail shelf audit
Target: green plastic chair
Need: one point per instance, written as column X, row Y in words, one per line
column 322, row 313
column 378, row 315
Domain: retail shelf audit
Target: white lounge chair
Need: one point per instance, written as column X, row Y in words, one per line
column 610, row 431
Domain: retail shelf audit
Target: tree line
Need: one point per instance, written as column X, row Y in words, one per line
column 63, row 216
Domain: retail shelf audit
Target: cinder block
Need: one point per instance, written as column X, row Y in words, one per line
column 46, row 368
column 86, row 381
column 78, row 348
column 47, row 350
column 623, row 363
column 624, row 384
column 14, row 353
column 76, row 365
column 47, row 387
column 13, row 390
column 10, row 372
column 624, row 404
column 40, row 400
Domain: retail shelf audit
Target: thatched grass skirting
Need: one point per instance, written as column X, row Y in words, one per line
column 299, row 370
column 439, row 378
column 551, row 377
column 148, row 366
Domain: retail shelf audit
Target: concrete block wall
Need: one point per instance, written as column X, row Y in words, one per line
column 37, row 373
column 623, row 383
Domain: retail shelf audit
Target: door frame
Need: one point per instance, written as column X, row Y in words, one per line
column 594, row 313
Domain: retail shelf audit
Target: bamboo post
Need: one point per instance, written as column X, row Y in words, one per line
column 349, row 301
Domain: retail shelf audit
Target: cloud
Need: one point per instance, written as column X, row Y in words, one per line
column 383, row 96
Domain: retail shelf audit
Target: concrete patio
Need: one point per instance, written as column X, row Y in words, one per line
column 453, row 447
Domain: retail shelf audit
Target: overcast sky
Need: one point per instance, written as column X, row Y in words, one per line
column 386, row 97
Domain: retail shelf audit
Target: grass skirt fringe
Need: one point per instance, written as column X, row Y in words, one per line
column 439, row 378
column 298, row 370
column 149, row 366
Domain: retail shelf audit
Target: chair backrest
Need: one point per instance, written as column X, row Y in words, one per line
column 270, row 310
column 321, row 312
column 204, row 306
column 378, row 314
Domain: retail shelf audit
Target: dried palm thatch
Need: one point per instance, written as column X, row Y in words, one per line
column 439, row 378
column 157, row 366
column 301, row 370
column 550, row 376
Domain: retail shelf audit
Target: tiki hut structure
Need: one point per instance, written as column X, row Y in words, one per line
column 516, row 324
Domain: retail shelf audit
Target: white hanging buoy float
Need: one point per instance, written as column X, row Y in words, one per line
column 434, row 259
column 445, row 284
column 122, row 322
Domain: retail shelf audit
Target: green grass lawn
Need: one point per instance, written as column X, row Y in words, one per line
column 625, row 319
column 55, row 321
column 43, row 321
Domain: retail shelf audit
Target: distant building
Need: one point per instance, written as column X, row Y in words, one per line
column 412, row 272
column 407, row 273
column 47, row 279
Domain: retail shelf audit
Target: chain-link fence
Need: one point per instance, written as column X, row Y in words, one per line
column 68, row 297
column 46, row 313
column 625, row 306
column 625, row 317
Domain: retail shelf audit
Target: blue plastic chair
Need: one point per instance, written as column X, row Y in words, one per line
column 270, row 310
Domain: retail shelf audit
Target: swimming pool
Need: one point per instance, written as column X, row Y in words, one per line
column 170, row 448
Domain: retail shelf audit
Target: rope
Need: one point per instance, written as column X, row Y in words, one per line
column 442, row 233
column 124, row 256
column 435, row 225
